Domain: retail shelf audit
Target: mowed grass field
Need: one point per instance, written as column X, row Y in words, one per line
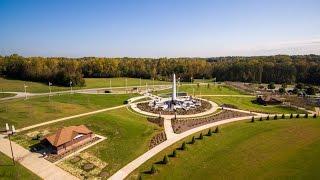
column 9, row 172
column 275, row 149
column 127, row 134
column 36, row 87
column 204, row 90
column 245, row 103
column 22, row 113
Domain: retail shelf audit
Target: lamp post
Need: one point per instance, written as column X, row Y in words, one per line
column 70, row 83
column 126, row 85
column 13, row 130
column 50, row 84
column 25, row 91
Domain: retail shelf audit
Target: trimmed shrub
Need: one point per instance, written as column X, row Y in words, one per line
column 183, row 146
column 291, row 116
column 165, row 159
column 200, row 136
column 306, row 115
column 268, row 117
column 283, row 116
column 209, row 132
column 260, row 119
column 174, row 153
column 298, row 116
column 217, row 130
column 153, row 169
column 314, row 116
column 252, row 119
column 193, row 140
column 275, row 117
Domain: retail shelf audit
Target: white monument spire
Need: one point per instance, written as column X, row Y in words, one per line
column 174, row 88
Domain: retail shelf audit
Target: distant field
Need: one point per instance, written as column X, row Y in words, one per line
column 127, row 134
column 35, row 110
column 9, row 172
column 281, row 149
column 35, row 87
column 205, row 90
column 3, row 95
column 246, row 103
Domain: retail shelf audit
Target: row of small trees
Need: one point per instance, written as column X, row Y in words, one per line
column 275, row 117
column 183, row 147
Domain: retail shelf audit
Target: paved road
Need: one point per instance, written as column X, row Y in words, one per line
column 34, row 162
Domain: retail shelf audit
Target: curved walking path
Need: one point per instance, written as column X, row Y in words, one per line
column 34, row 162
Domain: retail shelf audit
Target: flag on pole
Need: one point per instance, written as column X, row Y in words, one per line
column 70, row 83
column 7, row 127
column 50, row 84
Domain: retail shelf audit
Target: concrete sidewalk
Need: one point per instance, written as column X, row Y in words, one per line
column 34, row 162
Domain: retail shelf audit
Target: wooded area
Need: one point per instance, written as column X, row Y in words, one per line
column 265, row 69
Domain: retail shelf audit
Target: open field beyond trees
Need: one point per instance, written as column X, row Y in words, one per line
column 284, row 149
column 246, row 103
column 127, row 134
column 36, row 110
column 36, row 87
column 8, row 171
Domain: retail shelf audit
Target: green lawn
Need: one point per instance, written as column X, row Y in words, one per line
column 3, row 95
column 281, row 149
column 204, row 90
column 246, row 103
column 9, row 172
column 35, row 110
column 35, row 87
column 127, row 134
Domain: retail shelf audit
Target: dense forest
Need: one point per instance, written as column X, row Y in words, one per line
column 265, row 69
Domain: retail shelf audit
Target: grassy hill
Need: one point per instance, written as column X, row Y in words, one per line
column 282, row 149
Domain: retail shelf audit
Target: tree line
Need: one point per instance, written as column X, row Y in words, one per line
column 259, row 69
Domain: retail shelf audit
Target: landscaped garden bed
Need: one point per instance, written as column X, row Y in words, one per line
column 181, row 125
column 205, row 106
column 157, row 139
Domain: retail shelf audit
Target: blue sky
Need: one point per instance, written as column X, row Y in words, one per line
column 159, row 28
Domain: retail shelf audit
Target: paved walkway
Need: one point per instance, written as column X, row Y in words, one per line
column 69, row 117
column 168, row 128
column 223, row 95
column 126, row 170
column 34, row 162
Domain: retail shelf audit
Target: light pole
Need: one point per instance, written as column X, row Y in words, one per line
column 13, row 130
column 153, row 83
column 126, row 85
column 70, row 83
column 50, row 84
column 110, row 85
column 25, row 91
